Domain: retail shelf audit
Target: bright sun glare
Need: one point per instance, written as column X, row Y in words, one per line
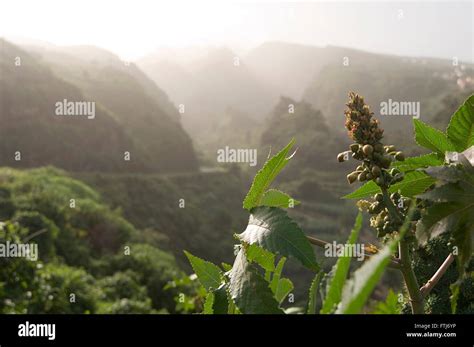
column 130, row 28
column 133, row 28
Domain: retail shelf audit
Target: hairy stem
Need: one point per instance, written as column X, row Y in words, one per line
column 411, row 282
column 426, row 289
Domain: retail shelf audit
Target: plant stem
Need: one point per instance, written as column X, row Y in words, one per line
column 411, row 282
column 426, row 289
column 392, row 210
column 416, row 299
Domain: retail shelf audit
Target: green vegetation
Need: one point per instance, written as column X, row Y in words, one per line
column 153, row 204
column 404, row 221
column 117, row 246
column 91, row 260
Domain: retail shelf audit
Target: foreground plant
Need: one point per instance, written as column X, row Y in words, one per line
column 410, row 201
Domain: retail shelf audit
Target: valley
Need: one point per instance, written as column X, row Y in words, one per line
column 187, row 172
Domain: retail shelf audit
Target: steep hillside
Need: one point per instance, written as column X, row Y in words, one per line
column 289, row 68
column 319, row 76
column 138, row 105
column 380, row 79
column 28, row 123
column 209, row 85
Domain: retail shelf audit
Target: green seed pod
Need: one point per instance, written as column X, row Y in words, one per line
column 341, row 157
column 390, row 148
column 399, row 156
column 376, row 171
column 373, row 222
column 378, row 147
column 385, row 162
column 362, row 177
column 354, row 147
column 397, row 178
column 373, row 208
column 416, row 215
column 368, row 150
column 352, row 177
column 377, row 156
column 394, row 171
column 378, row 197
column 369, row 176
column 379, row 181
column 379, row 206
column 360, row 168
column 395, row 196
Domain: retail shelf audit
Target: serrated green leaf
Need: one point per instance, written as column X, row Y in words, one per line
column 221, row 302
column 265, row 177
column 433, row 215
column 462, row 230
column 341, row 269
column 284, row 287
column 313, row 293
column 455, row 291
column 273, row 230
column 226, row 266
column 364, row 191
column 452, row 192
column 208, row 304
column 414, row 183
column 452, row 209
column 431, row 138
column 323, row 286
column 462, row 171
column 232, row 308
column 460, row 130
column 261, row 256
column 249, row 290
column 276, row 198
column 358, row 289
column 446, row 173
column 363, row 281
column 391, row 305
column 208, row 274
column 422, row 161
column 277, row 274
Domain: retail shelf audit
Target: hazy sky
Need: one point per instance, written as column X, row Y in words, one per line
column 135, row 28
